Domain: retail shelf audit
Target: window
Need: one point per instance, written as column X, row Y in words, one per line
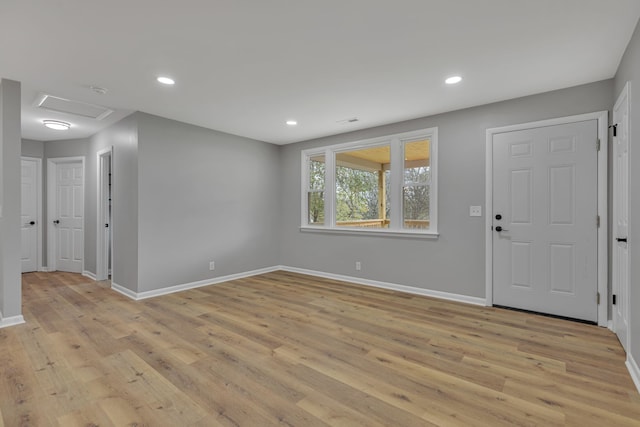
column 360, row 187
column 315, row 190
column 383, row 185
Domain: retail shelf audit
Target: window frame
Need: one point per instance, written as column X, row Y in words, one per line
column 396, row 143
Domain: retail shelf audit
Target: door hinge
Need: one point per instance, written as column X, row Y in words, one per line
column 598, row 298
column 598, row 221
column 614, row 300
column 615, row 129
column 598, row 145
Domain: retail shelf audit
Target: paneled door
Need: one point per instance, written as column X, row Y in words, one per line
column 67, row 216
column 620, row 230
column 545, row 235
column 29, row 214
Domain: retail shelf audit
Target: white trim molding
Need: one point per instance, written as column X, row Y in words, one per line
column 186, row 286
column 103, row 175
column 11, row 321
column 369, row 232
column 602, row 117
column 634, row 370
column 391, row 286
column 124, row 291
column 89, row 274
column 350, row 279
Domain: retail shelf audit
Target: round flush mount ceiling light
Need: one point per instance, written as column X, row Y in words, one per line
column 291, row 123
column 56, row 125
column 453, row 80
column 99, row 90
column 166, row 80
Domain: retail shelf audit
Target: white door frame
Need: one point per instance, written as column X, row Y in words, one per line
column 52, row 168
column 102, row 250
column 603, row 132
column 623, row 96
column 38, row 161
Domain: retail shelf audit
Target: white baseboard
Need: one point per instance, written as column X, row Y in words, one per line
column 124, row 291
column 186, row 286
column 610, row 325
column 358, row 280
column 392, row 286
column 634, row 370
column 43, row 269
column 11, row 321
column 89, row 274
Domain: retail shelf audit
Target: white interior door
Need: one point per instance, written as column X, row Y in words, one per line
column 545, row 197
column 621, row 217
column 29, row 215
column 68, row 216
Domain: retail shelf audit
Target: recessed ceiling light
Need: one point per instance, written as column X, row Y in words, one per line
column 453, row 80
column 292, row 122
column 166, row 80
column 56, row 125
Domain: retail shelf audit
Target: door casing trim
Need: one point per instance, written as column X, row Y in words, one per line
column 602, row 118
column 615, row 283
column 102, row 271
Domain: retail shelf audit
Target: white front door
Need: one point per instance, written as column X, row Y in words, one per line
column 68, row 216
column 545, row 196
column 620, row 262
column 29, row 215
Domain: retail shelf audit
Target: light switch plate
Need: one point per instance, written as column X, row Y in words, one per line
column 475, row 210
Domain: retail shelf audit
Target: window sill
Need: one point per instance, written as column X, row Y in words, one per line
column 377, row 232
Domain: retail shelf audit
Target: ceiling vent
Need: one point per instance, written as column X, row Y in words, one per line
column 67, row 106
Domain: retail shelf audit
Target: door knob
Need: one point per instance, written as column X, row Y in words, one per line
column 621, row 239
column 56, row 221
column 498, row 217
column 32, row 223
column 499, row 229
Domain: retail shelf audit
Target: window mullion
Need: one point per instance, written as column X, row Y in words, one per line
column 330, row 188
column 397, row 181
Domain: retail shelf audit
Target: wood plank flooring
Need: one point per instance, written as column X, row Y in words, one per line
column 284, row 349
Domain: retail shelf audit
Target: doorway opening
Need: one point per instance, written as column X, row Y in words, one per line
column 104, row 230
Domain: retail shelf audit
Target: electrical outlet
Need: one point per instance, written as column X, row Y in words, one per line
column 212, row 265
column 358, row 266
column 475, row 210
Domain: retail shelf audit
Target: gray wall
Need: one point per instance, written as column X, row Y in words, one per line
column 66, row 148
column 204, row 196
column 454, row 262
column 123, row 137
column 10, row 149
column 31, row 148
column 629, row 71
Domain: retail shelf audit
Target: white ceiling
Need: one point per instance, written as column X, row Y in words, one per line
column 247, row 66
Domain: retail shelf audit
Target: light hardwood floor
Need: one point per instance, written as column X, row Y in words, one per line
column 292, row 350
